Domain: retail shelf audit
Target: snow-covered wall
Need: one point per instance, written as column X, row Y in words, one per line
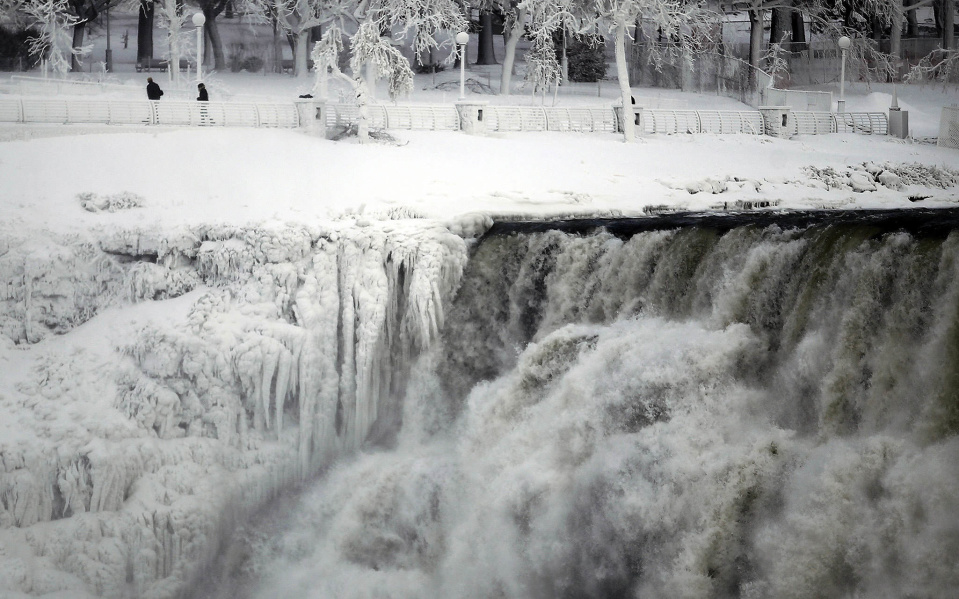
column 160, row 385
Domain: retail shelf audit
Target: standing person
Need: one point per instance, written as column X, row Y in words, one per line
column 153, row 90
column 203, row 97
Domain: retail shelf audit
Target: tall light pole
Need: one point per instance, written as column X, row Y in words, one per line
column 844, row 43
column 462, row 38
column 198, row 21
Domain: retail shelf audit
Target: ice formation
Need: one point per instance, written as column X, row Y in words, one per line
column 127, row 460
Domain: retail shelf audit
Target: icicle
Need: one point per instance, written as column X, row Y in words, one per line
column 283, row 375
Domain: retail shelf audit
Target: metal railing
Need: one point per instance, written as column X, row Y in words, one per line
column 426, row 117
column 542, row 118
column 701, row 121
column 145, row 112
column 816, row 123
column 497, row 118
column 949, row 127
column 870, row 123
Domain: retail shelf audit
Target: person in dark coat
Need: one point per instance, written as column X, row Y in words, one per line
column 153, row 90
column 203, row 97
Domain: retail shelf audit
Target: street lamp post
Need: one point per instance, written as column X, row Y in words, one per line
column 844, row 43
column 198, row 21
column 462, row 38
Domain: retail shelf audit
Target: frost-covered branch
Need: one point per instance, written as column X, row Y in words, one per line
column 422, row 19
column 939, row 65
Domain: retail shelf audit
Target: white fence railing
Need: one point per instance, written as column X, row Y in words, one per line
column 427, row 117
column 409, row 116
column 144, row 112
column 949, row 127
column 701, row 121
column 542, row 118
column 815, row 123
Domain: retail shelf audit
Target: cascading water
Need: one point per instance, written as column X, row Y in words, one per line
column 709, row 411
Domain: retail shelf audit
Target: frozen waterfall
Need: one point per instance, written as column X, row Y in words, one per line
column 691, row 406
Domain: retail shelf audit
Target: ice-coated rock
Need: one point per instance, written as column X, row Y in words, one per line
column 861, row 182
column 890, row 179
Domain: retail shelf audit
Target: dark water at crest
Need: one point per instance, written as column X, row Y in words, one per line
column 937, row 222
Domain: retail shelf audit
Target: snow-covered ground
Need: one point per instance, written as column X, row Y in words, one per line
column 247, row 175
column 145, row 273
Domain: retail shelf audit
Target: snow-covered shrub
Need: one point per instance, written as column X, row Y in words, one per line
column 928, row 175
column 867, row 176
column 125, row 200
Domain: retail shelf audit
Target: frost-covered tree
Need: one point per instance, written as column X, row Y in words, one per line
column 297, row 18
column 368, row 48
column 674, row 20
column 53, row 45
column 542, row 65
column 513, row 27
column 536, row 20
column 417, row 22
column 85, row 12
column 172, row 19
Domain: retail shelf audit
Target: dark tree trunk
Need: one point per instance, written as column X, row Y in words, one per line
column 85, row 11
column 912, row 24
column 78, row 30
column 755, row 38
column 145, row 30
column 277, row 45
column 949, row 24
column 213, row 34
column 780, row 27
column 484, row 54
column 877, row 29
column 937, row 17
column 799, row 31
column 211, row 10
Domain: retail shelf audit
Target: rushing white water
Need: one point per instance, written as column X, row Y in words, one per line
column 758, row 413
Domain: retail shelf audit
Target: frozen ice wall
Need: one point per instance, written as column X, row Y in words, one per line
column 690, row 413
column 161, row 385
